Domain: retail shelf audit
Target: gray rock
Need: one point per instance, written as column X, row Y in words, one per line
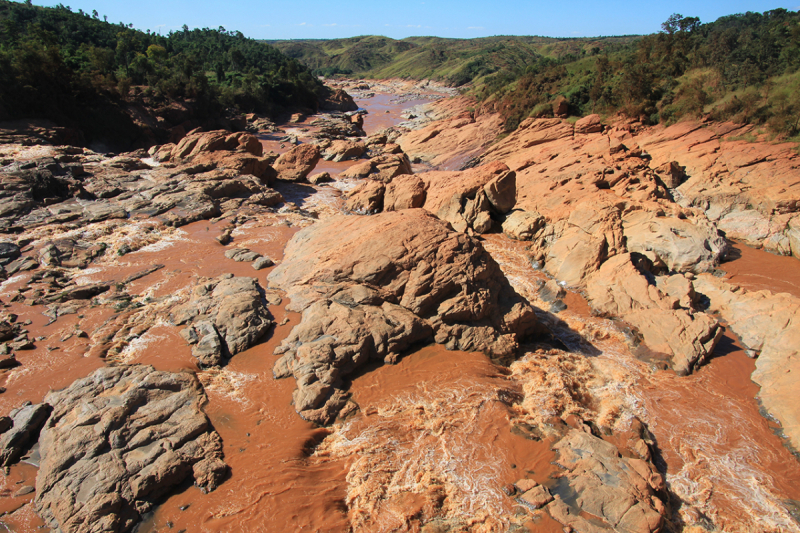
column 623, row 492
column 262, row 262
column 25, row 424
column 225, row 316
column 119, row 440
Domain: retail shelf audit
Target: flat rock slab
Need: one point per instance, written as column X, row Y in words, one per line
column 119, row 440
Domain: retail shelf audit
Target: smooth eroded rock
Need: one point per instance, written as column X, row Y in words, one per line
column 119, row 440
column 370, row 287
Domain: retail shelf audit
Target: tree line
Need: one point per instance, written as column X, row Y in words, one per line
column 77, row 68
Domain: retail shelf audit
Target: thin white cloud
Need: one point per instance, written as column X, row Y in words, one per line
column 302, row 24
column 476, row 28
column 330, row 25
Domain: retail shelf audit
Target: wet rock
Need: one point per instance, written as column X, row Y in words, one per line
column 297, row 163
column 224, row 316
column 70, row 253
column 623, row 492
column 225, row 237
column 262, row 262
column 619, row 289
column 8, row 362
column 370, row 287
column 8, row 252
column 242, row 255
column 24, row 491
column 551, row 291
column 119, row 440
column 21, row 264
column 26, row 421
column 537, row 497
column 689, row 338
column 81, row 292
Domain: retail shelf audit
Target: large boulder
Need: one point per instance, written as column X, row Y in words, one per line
column 297, row 163
column 119, row 440
column 370, row 287
column 620, row 289
column 681, row 245
column 224, row 316
column 338, row 100
column 623, row 492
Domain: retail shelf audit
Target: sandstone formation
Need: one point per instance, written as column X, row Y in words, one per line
column 666, row 321
column 622, row 491
column 224, row 316
column 201, row 176
column 370, row 287
column 297, row 163
column 338, row 100
column 457, row 132
column 119, row 440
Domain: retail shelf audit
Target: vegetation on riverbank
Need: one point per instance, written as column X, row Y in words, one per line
column 78, row 69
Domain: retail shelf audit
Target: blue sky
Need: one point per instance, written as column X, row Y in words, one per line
column 325, row 19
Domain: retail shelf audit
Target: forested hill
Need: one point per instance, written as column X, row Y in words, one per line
column 79, row 70
column 741, row 67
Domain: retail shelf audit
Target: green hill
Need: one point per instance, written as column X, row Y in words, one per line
column 453, row 61
column 741, row 67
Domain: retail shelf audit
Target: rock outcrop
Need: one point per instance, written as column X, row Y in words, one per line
column 622, row 491
column 338, row 100
column 200, row 177
column 370, row 287
column 224, row 316
column 620, row 289
column 119, row 440
column 21, row 430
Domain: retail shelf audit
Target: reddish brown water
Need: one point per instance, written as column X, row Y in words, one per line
column 385, row 110
column 434, row 435
column 756, row 270
column 452, row 452
column 722, row 458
